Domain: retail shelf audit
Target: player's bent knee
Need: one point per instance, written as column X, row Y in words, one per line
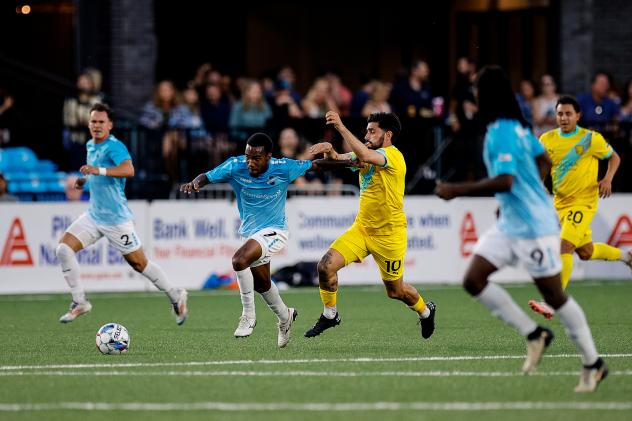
column 239, row 262
column 64, row 251
column 473, row 285
column 584, row 255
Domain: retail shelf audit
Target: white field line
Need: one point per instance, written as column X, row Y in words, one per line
column 318, row 407
column 294, row 361
column 303, row 373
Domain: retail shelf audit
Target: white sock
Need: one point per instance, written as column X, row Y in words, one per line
column 330, row 312
column 577, row 329
column 70, row 270
column 275, row 303
column 157, row 276
column 500, row 303
column 246, row 292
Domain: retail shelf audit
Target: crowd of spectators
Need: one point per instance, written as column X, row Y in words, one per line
column 187, row 129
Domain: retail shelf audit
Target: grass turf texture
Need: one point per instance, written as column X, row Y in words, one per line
column 384, row 332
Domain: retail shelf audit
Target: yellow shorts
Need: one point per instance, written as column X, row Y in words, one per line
column 575, row 222
column 388, row 251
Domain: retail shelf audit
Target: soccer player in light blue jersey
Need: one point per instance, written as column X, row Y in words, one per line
column 260, row 183
column 108, row 165
column 527, row 230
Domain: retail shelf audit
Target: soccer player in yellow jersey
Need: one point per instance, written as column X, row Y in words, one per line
column 575, row 152
column 380, row 226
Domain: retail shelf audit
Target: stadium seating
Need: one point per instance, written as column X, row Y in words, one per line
column 29, row 178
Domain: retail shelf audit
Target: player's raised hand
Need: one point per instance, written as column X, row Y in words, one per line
column 605, row 188
column 333, row 118
column 322, row 147
column 445, row 191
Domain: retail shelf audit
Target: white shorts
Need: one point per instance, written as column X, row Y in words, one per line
column 271, row 240
column 123, row 237
column 540, row 256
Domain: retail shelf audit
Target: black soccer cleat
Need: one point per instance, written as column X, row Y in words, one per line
column 322, row 325
column 428, row 324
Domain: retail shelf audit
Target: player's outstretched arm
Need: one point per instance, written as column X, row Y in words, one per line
column 484, row 187
column 363, row 153
column 195, row 185
column 123, row 170
column 332, row 160
column 605, row 184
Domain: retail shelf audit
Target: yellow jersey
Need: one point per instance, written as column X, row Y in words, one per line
column 382, row 194
column 575, row 165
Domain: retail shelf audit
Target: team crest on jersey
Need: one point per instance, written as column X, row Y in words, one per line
column 272, row 180
column 579, row 149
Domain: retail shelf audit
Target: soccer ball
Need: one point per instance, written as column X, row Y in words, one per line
column 112, row 338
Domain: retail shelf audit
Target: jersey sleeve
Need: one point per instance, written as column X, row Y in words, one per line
column 119, row 153
column 501, row 153
column 600, row 148
column 297, row 168
column 385, row 154
column 222, row 173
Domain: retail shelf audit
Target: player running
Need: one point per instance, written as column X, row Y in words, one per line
column 526, row 231
column 260, row 183
column 108, row 165
column 575, row 153
column 380, row 226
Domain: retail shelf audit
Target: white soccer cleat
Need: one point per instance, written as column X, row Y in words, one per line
column 591, row 376
column 76, row 309
column 245, row 327
column 537, row 342
column 286, row 327
column 180, row 307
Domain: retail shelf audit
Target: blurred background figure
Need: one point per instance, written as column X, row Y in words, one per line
column 526, row 98
column 5, row 196
column 599, row 111
column 319, row 99
column 413, row 97
column 6, row 117
column 544, row 106
column 76, row 113
column 378, row 99
column 250, row 114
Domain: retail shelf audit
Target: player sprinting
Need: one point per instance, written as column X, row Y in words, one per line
column 527, row 230
column 380, row 226
column 108, row 165
column 575, row 152
column 260, row 183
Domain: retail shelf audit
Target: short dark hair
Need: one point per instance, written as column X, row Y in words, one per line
column 260, row 139
column 387, row 122
column 102, row 108
column 567, row 99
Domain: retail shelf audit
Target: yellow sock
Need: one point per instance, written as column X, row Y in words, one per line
column 328, row 298
column 567, row 268
column 419, row 306
column 602, row 251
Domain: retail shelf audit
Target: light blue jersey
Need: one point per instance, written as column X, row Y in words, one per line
column 108, row 204
column 526, row 211
column 260, row 200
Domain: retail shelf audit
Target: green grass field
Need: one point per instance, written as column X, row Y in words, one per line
column 373, row 366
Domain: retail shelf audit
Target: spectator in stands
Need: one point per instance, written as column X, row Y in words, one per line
column 341, row 94
column 319, row 99
column 97, row 79
column 200, row 78
column 378, row 99
column 250, row 114
column 625, row 112
column 215, row 110
column 284, row 107
column 544, row 106
column 526, row 98
column 76, row 113
column 156, row 113
column 413, row 96
column 599, row 112
column 185, row 127
column 6, row 117
column 287, row 74
column 360, row 98
column 5, row 196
